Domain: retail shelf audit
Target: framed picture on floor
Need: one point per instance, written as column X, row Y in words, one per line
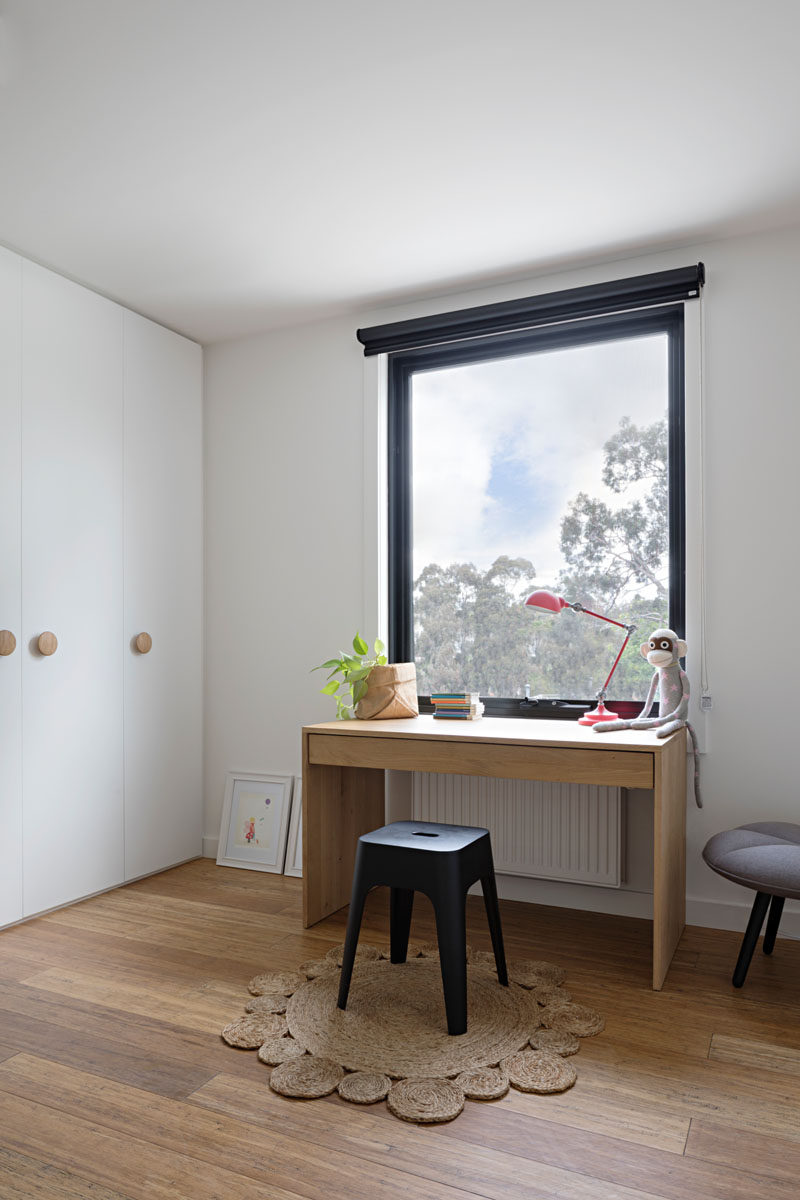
column 255, row 821
column 294, row 852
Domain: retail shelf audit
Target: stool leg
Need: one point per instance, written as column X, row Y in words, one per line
column 401, row 902
column 760, row 906
column 451, row 930
column 773, row 921
column 351, row 942
column 489, row 887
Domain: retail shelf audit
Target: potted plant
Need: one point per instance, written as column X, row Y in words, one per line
column 368, row 687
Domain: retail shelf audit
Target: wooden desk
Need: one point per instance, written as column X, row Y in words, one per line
column 343, row 792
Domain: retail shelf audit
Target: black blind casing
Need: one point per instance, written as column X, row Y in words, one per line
column 618, row 295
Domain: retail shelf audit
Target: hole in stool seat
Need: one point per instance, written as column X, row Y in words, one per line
column 422, row 833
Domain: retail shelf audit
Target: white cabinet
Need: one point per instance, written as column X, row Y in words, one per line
column 10, row 600
column 100, row 540
column 72, row 523
column 163, row 586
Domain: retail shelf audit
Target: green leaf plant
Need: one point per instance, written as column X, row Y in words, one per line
column 353, row 670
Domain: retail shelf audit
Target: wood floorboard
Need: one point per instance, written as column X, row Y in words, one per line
column 48, row 945
column 749, row 1053
column 722, row 1144
column 263, row 1154
column 120, row 1162
column 12, row 968
column 24, row 1178
column 114, row 1058
column 206, row 1006
column 27, row 1015
column 115, row 1085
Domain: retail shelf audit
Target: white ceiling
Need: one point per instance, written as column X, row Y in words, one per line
column 225, row 166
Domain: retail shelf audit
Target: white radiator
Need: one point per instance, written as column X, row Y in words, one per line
column 564, row 831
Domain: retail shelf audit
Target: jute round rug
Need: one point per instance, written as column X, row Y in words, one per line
column 391, row 1043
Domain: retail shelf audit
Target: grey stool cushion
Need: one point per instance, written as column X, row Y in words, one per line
column 764, row 856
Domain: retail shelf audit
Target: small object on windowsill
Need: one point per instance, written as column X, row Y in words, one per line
column 373, row 688
column 457, row 706
column 541, row 706
column 458, row 716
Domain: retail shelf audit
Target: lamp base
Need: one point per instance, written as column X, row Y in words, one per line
column 601, row 713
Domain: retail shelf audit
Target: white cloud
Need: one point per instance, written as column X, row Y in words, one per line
column 546, row 416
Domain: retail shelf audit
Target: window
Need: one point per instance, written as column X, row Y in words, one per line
column 545, row 456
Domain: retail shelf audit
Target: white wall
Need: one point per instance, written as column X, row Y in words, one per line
column 284, row 571
column 287, row 575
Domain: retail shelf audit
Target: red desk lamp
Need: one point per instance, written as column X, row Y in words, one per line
column 548, row 603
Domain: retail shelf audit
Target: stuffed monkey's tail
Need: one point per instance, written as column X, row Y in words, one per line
column 698, row 799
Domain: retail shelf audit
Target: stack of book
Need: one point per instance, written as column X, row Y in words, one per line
column 457, row 706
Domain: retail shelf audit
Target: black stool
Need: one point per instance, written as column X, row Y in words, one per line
column 443, row 861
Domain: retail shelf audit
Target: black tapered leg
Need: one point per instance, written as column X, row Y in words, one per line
column 760, row 906
column 451, row 929
column 401, row 902
column 495, row 928
column 351, row 942
column 773, row 921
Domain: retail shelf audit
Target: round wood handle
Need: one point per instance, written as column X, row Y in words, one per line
column 144, row 643
column 8, row 643
column 47, row 643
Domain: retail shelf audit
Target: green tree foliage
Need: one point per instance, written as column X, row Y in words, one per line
column 470, row 627
column 472, row 630
column 614, row 550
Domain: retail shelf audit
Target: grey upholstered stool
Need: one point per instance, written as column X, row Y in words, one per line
column 764, row 856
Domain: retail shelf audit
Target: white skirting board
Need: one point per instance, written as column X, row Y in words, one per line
column 570, row 832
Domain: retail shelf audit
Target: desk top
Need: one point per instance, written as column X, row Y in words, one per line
column 502, row 730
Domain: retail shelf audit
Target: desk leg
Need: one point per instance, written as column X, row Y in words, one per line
column 339, row 804
column 669, row 853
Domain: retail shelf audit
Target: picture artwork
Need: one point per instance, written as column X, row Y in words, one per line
column 255, row 821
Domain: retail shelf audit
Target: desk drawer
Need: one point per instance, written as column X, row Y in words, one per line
column 613, row 768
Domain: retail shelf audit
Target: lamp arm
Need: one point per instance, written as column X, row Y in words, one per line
column 631, row 629
column 551, row 603
column 579, row 608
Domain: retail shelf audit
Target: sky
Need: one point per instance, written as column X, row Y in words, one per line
column 500, row 448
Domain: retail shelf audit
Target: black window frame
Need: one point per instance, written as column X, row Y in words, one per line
column 403, row 364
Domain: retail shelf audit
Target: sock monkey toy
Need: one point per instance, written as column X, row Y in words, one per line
column 663, row 650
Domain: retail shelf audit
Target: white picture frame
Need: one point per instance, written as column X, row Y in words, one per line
column 255, row 821
column 294, row 849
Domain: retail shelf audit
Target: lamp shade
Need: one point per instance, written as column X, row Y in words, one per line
column 546, row 602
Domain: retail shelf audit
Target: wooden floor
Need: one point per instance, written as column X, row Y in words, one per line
column 114, row 1081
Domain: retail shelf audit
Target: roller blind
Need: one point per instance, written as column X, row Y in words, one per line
column 618, row 295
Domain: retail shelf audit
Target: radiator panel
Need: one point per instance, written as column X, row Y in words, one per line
column 563, row 831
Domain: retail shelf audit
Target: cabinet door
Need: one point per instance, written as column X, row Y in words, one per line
column 10, row 605
column 72, row 520
column 163, row 597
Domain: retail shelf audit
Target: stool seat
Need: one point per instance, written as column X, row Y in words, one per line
column 429, row 837
column 764, row 856
column 442, row 861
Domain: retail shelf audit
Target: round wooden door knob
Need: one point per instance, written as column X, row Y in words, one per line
column 47, row 643
column 144, row 643
column 8, row 643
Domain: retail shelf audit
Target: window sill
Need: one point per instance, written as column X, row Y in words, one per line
column 549, row 710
